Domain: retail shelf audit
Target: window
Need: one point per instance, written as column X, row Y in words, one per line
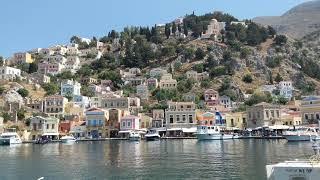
column 190, row 118
column 306, row 116
column 184, row 118
column 171, row 119
column 52, row 126
column 272, row 113
column 178, row 118
column 123, row 124
column 129, row 123
column 278, row 113
column 47, row 126
column 267, row 113
column 317, row 116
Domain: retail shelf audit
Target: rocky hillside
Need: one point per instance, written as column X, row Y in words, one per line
column 297, row 22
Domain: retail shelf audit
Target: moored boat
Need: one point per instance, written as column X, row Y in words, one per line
column 68, row 139
column 10, row 137
column 301, row 134
column 205, row 132
column 134, row 136
column 152, row 135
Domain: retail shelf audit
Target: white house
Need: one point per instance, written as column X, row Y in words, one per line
column 9, row 73
column 286, row 89
column 82, row 101
column 142, row 91
column 72, row 64
column 70, row 87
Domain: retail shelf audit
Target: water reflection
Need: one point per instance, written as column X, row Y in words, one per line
column 165, row 159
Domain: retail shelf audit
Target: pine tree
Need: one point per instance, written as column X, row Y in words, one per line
column 174, row 28
column 185, row 29
column 179, row 28
column 167, row 31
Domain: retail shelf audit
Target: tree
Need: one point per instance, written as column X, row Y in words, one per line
column 1, row 90
column 1, row 61
column 272, row 32
column 179, row 28
column 280, row 40
column 69, row 96
column 185, row 30
column 174, row 28
column 198, row 67
column 200, row 54
column 6, row 117
column 282, row 100
column 51, row 88
column 247, row 78
column 21, row 114
column 33, row 67
column 75, row 39
column 23, row 92
column 167, row 31
column 278, row 78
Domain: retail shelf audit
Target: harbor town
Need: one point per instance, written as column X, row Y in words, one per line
column 177, row 95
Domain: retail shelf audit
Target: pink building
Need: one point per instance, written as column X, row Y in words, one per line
column 129, row 123
column 50, row 68
column 211, row 97
column 152, row 82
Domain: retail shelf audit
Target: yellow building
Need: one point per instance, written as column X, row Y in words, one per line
column 145, row 121
column 236, row 120
column 310, row 109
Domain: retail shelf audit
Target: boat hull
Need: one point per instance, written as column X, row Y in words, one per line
column 68, row 141
column 5, row 142
column 134, row 138
column 298, row 137
column 152, row 138
column 216, row 137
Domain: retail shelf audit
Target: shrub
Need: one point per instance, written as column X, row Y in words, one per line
column 247, row 78
column 273, row 62
column 23, row 92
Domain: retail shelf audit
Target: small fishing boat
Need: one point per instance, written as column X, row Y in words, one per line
column 152, row 135
column 42, row 140
column 10, row 137
column 134, row 136
column 205, row 132
column 68, row 139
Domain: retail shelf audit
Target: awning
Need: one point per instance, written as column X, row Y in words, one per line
column 281, row 127
column 174, row 129
column 123, row 132
column 50, row 134
column 189, row 130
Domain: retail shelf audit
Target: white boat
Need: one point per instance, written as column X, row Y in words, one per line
column 296, row 170
column 10, row 137
column 213, row 133
column 301, row 134
column 152, row 135
column 134, row 136
column 68, row 139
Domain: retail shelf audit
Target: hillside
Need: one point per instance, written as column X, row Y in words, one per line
column 297, row 22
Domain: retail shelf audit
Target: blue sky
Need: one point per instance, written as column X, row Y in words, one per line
column 27, row 24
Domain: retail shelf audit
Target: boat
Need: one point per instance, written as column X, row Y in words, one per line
column 301, row 134
column 68, row 139
column 134, row 136
column 296, row 170
column 10, row 137
column 42, row 140
column 152, row 135
column 205, row 132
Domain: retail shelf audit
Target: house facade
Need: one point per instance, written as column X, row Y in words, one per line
column 22, row 57
column 166, row 82
column 310, row 109
column 180, row 115
column 55, row 105
column 70, row 87
column 211, row 97
column 41, row 126
column 95, row 121
column 264, row 114
column 9, row 73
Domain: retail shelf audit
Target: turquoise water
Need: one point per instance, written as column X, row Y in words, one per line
column 165, row 159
